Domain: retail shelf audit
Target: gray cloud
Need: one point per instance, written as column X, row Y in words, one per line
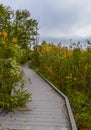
column 59, row 19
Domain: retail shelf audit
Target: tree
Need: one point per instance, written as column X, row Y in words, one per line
column 18, row 27
column 25, row 28
column 6, row 16
column 13, row 46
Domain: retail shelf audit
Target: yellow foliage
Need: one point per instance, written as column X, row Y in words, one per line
column 5, row 34
column 14, row 40
column 23, row 36
column 45, row 48
column 75, row 79
column 0, row 33
column 69, row 76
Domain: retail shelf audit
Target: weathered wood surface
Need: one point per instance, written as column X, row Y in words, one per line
column 47, row 111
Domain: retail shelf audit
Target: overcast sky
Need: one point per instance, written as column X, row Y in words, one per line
column 59, row 20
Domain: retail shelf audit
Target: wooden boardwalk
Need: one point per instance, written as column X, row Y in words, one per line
column 47, row 111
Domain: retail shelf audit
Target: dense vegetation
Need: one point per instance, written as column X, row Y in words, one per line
column 70, row 71
column 17, row 31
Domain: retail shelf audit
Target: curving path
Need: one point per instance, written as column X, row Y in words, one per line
column 47, row 111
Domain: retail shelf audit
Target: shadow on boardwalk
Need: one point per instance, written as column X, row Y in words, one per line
column 47, row 111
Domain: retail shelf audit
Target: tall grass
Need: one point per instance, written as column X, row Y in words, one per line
column 70, row 71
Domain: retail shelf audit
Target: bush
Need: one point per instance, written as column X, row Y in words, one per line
column 19, row 98
column 10, row 74
column 70, row 71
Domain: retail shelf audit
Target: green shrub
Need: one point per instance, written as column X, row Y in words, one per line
column 19, row 98
column 10, row 74
column 70, row 71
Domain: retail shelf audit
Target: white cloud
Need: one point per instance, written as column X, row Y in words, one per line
column 83, row 32
column 58, row 18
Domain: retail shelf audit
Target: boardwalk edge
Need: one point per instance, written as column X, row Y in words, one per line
column 1, row 110
column 70, row 114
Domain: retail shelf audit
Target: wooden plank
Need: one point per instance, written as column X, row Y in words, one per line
column 47, row 111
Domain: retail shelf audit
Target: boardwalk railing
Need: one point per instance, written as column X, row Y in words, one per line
column 1, row 109
column 70, row 114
